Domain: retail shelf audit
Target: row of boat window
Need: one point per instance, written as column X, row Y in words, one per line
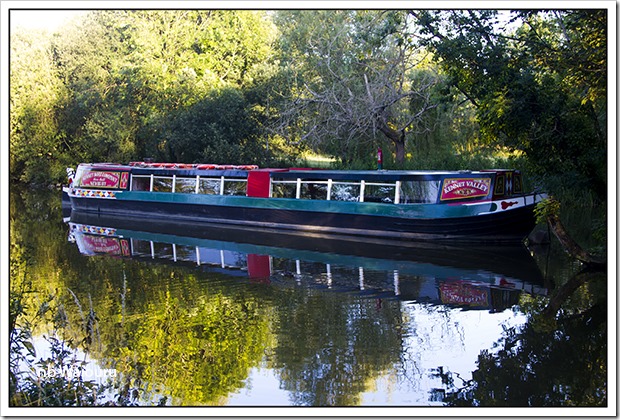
column 399, row 192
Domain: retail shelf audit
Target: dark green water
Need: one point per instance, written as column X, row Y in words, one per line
column 204, row 316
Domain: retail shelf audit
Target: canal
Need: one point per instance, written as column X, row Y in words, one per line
column 119, row 312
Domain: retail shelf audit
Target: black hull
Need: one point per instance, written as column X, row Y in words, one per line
column 508, row 226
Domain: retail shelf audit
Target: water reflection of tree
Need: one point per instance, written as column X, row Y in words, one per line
column 171, row 331
column 328, row 351
column 166, row 329
column 559, row 357
column 550, row 361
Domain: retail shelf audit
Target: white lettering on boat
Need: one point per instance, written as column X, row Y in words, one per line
column 455, row 188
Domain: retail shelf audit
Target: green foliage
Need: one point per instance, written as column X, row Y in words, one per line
column 199, row 353
column 35, row 380
column 582, row 216
column 184, row 341
column 353, row 81
column 326, row 353
column 36, row 140
column 215, row 127
column 549, row 207
column 538, row 90
column 56, row 381
column 111, row 87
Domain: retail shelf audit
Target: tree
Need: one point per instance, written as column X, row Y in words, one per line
column 35, row 138
column 354, row 76
column 218, row 128
column 106, row 89
column 539, row 90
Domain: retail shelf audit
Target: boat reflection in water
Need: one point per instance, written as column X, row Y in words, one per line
column 490, row 278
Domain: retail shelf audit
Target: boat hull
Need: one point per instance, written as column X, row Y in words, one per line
column 424, row 223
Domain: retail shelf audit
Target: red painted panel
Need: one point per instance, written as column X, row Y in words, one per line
column 258, row 184
column 259, row 181
column 258, row 266
column 124, row 179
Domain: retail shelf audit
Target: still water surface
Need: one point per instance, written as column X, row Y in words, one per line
column 200, row 315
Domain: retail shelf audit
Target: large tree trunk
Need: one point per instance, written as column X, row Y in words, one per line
column 400, row 151
column 572, row 247
column 397, row 137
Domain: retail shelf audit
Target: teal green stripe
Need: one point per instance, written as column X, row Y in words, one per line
column 332, row 206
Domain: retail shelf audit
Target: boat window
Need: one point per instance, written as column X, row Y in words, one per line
column 185, row 185
column 186, row 253
column 371, row 192
column 77, row 178
column 209, row 186
column 162, row 184
column 345, row 192
column 419, row 192
column 209, row 256
column 234, row 186
column 283, row 189
column 163, row 250
column 222, row 258
column 314, row 190
column 231, row 186
column 143, row 248
column 140, row 247
column 518, row 184
column 379, row 193
column 499, row 185
column 140, row 183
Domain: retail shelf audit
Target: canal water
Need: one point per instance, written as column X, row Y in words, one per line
column 187, row 315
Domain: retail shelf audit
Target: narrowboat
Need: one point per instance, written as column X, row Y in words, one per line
column 471, row 206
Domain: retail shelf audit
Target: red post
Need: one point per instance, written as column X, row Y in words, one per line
column 379, row 159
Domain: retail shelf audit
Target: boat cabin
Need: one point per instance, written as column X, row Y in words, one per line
column 392, row 187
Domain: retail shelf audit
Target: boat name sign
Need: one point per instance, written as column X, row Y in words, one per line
column 104, row 179
column 457, row 188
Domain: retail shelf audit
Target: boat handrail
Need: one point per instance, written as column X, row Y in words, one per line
column 330, row 183
column 196, row 180
column 194, row 184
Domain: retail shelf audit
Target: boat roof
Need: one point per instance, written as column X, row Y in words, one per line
column 376, row 175
column 293, row 173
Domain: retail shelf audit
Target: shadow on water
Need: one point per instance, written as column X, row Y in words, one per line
column 207, row 315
